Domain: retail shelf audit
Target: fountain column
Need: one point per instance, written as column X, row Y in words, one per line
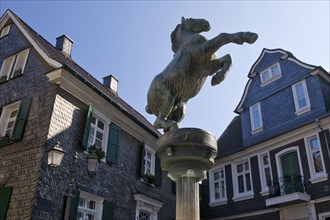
column 187, row 154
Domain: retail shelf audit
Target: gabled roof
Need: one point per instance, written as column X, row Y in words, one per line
column 231, row 139
column 255, row 70
column 56, row 59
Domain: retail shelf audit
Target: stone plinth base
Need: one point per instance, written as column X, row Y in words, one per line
column 186, row 154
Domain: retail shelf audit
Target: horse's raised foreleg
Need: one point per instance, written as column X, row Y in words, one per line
column 220, row 67
column 212, row 45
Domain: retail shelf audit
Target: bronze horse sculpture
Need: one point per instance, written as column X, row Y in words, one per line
column 194, row 60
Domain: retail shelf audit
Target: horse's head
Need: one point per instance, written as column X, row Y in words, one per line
column 195, row 25
column 191, row 25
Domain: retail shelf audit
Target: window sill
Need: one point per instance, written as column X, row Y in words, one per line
column 243, row 196
column 151, row 184
column 257, row 130
column 218, row 202
column 318, row 178
column 264, row 192
column 264, row 83
column 303, row 110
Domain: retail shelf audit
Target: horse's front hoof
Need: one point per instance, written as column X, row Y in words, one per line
column 251, row 37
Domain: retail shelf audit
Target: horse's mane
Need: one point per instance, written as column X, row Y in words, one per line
column 175, row 45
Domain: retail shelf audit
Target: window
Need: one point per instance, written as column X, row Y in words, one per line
column 265, row 173
column 271, row 74
column 96, row 132
column 90, row 207
column 146, row 207
column 5, row 31
column 12, row 121
column 301, row 99
column 149, row 161
column 242, row 181
column 218, row 187
column 103, row 134
column 151, row 171
column 8, row 119
column 315, row 159
column 13, row 66
column 256, row 119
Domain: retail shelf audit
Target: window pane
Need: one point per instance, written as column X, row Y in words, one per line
column 82, row 202
column 313, row 143
column 317, row 162
column 265, row 159
column 239, row 168
column 265, row 75
column 222, row 174
column 98, row 143
column 267, row 176
column 91, row 204
column 99, row 135
column 100, row 125
column 248, row 182
column 301, row 95
column 216, row 176
column 275, row 70
column 13, row 114
column 240, row 184
column 222, row 187
column 246, row 166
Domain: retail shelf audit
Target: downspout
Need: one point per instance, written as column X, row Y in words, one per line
column 325, row 136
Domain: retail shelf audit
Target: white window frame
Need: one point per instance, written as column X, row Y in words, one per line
column 271, row 76
column 152, row 160
column 13, row 63
column 98, row 204
column 221, row 200
column 246, row 194
column 5, row 117
column 262, row 167
column 99, row 116
column 306, row 96
column 320, row 176
column 5, row 31
column 255, row 129
column 324, row 215
column 148, row 205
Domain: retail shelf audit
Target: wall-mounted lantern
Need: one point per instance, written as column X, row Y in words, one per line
column 92, row 162
column 55, row 155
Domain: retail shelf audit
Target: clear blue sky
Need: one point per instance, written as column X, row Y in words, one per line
column 131, row 40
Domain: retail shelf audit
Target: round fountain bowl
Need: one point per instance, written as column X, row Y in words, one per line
column 187, row 152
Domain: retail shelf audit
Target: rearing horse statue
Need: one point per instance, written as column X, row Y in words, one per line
column 184, row 76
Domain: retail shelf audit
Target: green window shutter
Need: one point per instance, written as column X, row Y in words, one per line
column 158, row 173
column 74, row 204
column 113, row 143
column 84, row 141
column 5, row 194
column 142, row 161
column 21, row 119
column 108, row 210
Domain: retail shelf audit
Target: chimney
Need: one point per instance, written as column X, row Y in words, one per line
column 64, row 43
column 111, row 83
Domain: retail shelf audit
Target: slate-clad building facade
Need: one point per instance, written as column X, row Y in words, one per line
column 274, row 157
column 48, row 100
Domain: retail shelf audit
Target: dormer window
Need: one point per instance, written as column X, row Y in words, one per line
column 271, row 74
column 5, row 31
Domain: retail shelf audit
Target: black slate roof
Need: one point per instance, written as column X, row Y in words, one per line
column 231, row 140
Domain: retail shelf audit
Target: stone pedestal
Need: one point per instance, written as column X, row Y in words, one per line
column 186, row 154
